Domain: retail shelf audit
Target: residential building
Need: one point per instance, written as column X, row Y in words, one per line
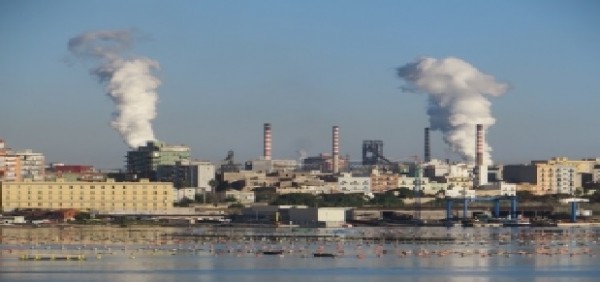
column 184, row 193
column 107, row 196
column 194, row 174
column 497, row 189
column 10, row 168
column 556, row 179
column 548, row 177
column 596, row 174
column 383, row 181
column 460, row 192
column 32, row 165
column 244, row 196
column 354, row 184
column 16, row 166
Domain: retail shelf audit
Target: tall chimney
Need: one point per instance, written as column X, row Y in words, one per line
column 427, row 155
column 335, row 154
column 479, row 149
column 267, row 141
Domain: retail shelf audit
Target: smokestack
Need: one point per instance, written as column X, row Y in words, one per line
column 457, row 98
column 267, row 141
column 427, row 154
column 335, row 168
column 129, row 81
column 480, row 170
column 479, row 149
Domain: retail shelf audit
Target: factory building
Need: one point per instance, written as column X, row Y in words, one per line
column 146, row 160
column 318, row 217
column 324, row 162
column 372, row 153
column 106, row 196
column 267, row 164
column 270, row 165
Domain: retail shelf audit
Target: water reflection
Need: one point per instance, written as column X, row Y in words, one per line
column 206, row 254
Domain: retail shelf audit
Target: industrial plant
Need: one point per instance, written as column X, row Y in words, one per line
column 162, row 179
column 457, row 187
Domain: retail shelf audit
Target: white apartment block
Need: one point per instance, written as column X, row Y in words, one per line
column 354, row 184
column 195, row 174
column 32, row 165
column 556, row 179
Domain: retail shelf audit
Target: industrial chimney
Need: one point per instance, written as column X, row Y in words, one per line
column 479, row 148
column 480, row 169
column 427, row 154
column 335, row 154
column 267, row 141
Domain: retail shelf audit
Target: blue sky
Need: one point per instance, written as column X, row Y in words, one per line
column 229, row 66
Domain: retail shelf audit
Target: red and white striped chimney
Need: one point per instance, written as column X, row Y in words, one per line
column 480, row 141
column 335, row 154
column 267, row 141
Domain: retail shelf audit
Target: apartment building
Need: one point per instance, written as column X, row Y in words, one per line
column 16, row 166
column 383, row 181
column 106, row 196
column 545, row 177
column 348, row 184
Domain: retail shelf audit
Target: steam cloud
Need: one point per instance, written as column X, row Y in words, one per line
column 457, row 100
column 128, row 81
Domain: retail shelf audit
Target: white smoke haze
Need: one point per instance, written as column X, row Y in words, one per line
column 128, row 81
column 457, row 100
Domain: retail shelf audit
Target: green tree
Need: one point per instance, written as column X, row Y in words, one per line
column 236, row 205
column 297, row 199
column 82, row 216
column 344, row 200
column 387, row 200
column 185, row 202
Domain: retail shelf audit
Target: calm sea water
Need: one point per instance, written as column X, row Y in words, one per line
column 491, row 255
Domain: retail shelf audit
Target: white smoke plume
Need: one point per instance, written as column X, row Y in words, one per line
column 128, row 81
column 457, row 100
